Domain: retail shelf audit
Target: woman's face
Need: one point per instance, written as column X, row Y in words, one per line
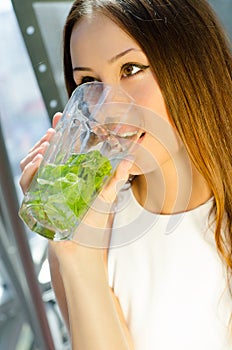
column 102, row 51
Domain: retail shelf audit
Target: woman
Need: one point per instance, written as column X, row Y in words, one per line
column 155, row 290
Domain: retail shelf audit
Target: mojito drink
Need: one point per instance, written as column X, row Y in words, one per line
column 62, row 194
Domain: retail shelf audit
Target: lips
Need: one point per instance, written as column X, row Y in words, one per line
column 126, row 134
column 141, row 137
column 122, row 131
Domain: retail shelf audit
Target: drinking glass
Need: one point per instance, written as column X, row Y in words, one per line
column 99, row 127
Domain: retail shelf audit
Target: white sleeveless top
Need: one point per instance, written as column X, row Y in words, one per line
column 169, row 279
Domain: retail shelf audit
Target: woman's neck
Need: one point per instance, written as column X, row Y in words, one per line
column 176, row 187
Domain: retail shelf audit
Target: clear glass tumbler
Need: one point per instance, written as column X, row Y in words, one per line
column 99, row 127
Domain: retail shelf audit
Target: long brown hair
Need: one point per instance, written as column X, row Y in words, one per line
column 191, row 59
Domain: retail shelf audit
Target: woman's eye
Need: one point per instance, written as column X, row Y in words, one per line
column 131, row 69
column 87, row 79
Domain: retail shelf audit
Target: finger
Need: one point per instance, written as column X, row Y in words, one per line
column 94, row 229
column 47, row 137
column 120, row 177
column 29, row 172
column 39, row 148
column 103, row 203
column 56, row 119
column 31, row 155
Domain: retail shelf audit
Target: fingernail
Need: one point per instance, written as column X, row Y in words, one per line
column 50, row 131
column 45, row 144
column 37, row 158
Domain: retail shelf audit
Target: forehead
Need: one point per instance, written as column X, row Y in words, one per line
column 99, row 34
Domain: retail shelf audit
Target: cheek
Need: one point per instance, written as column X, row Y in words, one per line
column 160, row 144
column 154, row 101
column 147, row 94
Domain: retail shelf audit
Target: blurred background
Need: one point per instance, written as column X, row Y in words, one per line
column 31, row 91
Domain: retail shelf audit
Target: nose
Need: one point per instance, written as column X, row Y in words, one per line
column 98, row 93
column 96, row 96
column 115, row 94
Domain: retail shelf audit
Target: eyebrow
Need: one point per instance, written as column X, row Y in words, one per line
column 82, row 69
column 121, row 54
column 112, row 60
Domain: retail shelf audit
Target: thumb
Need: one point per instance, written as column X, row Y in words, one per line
column 118, row 180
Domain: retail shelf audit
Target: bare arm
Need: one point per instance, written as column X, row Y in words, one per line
column 57, row 284
column 95, row 317
column 87, row 302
